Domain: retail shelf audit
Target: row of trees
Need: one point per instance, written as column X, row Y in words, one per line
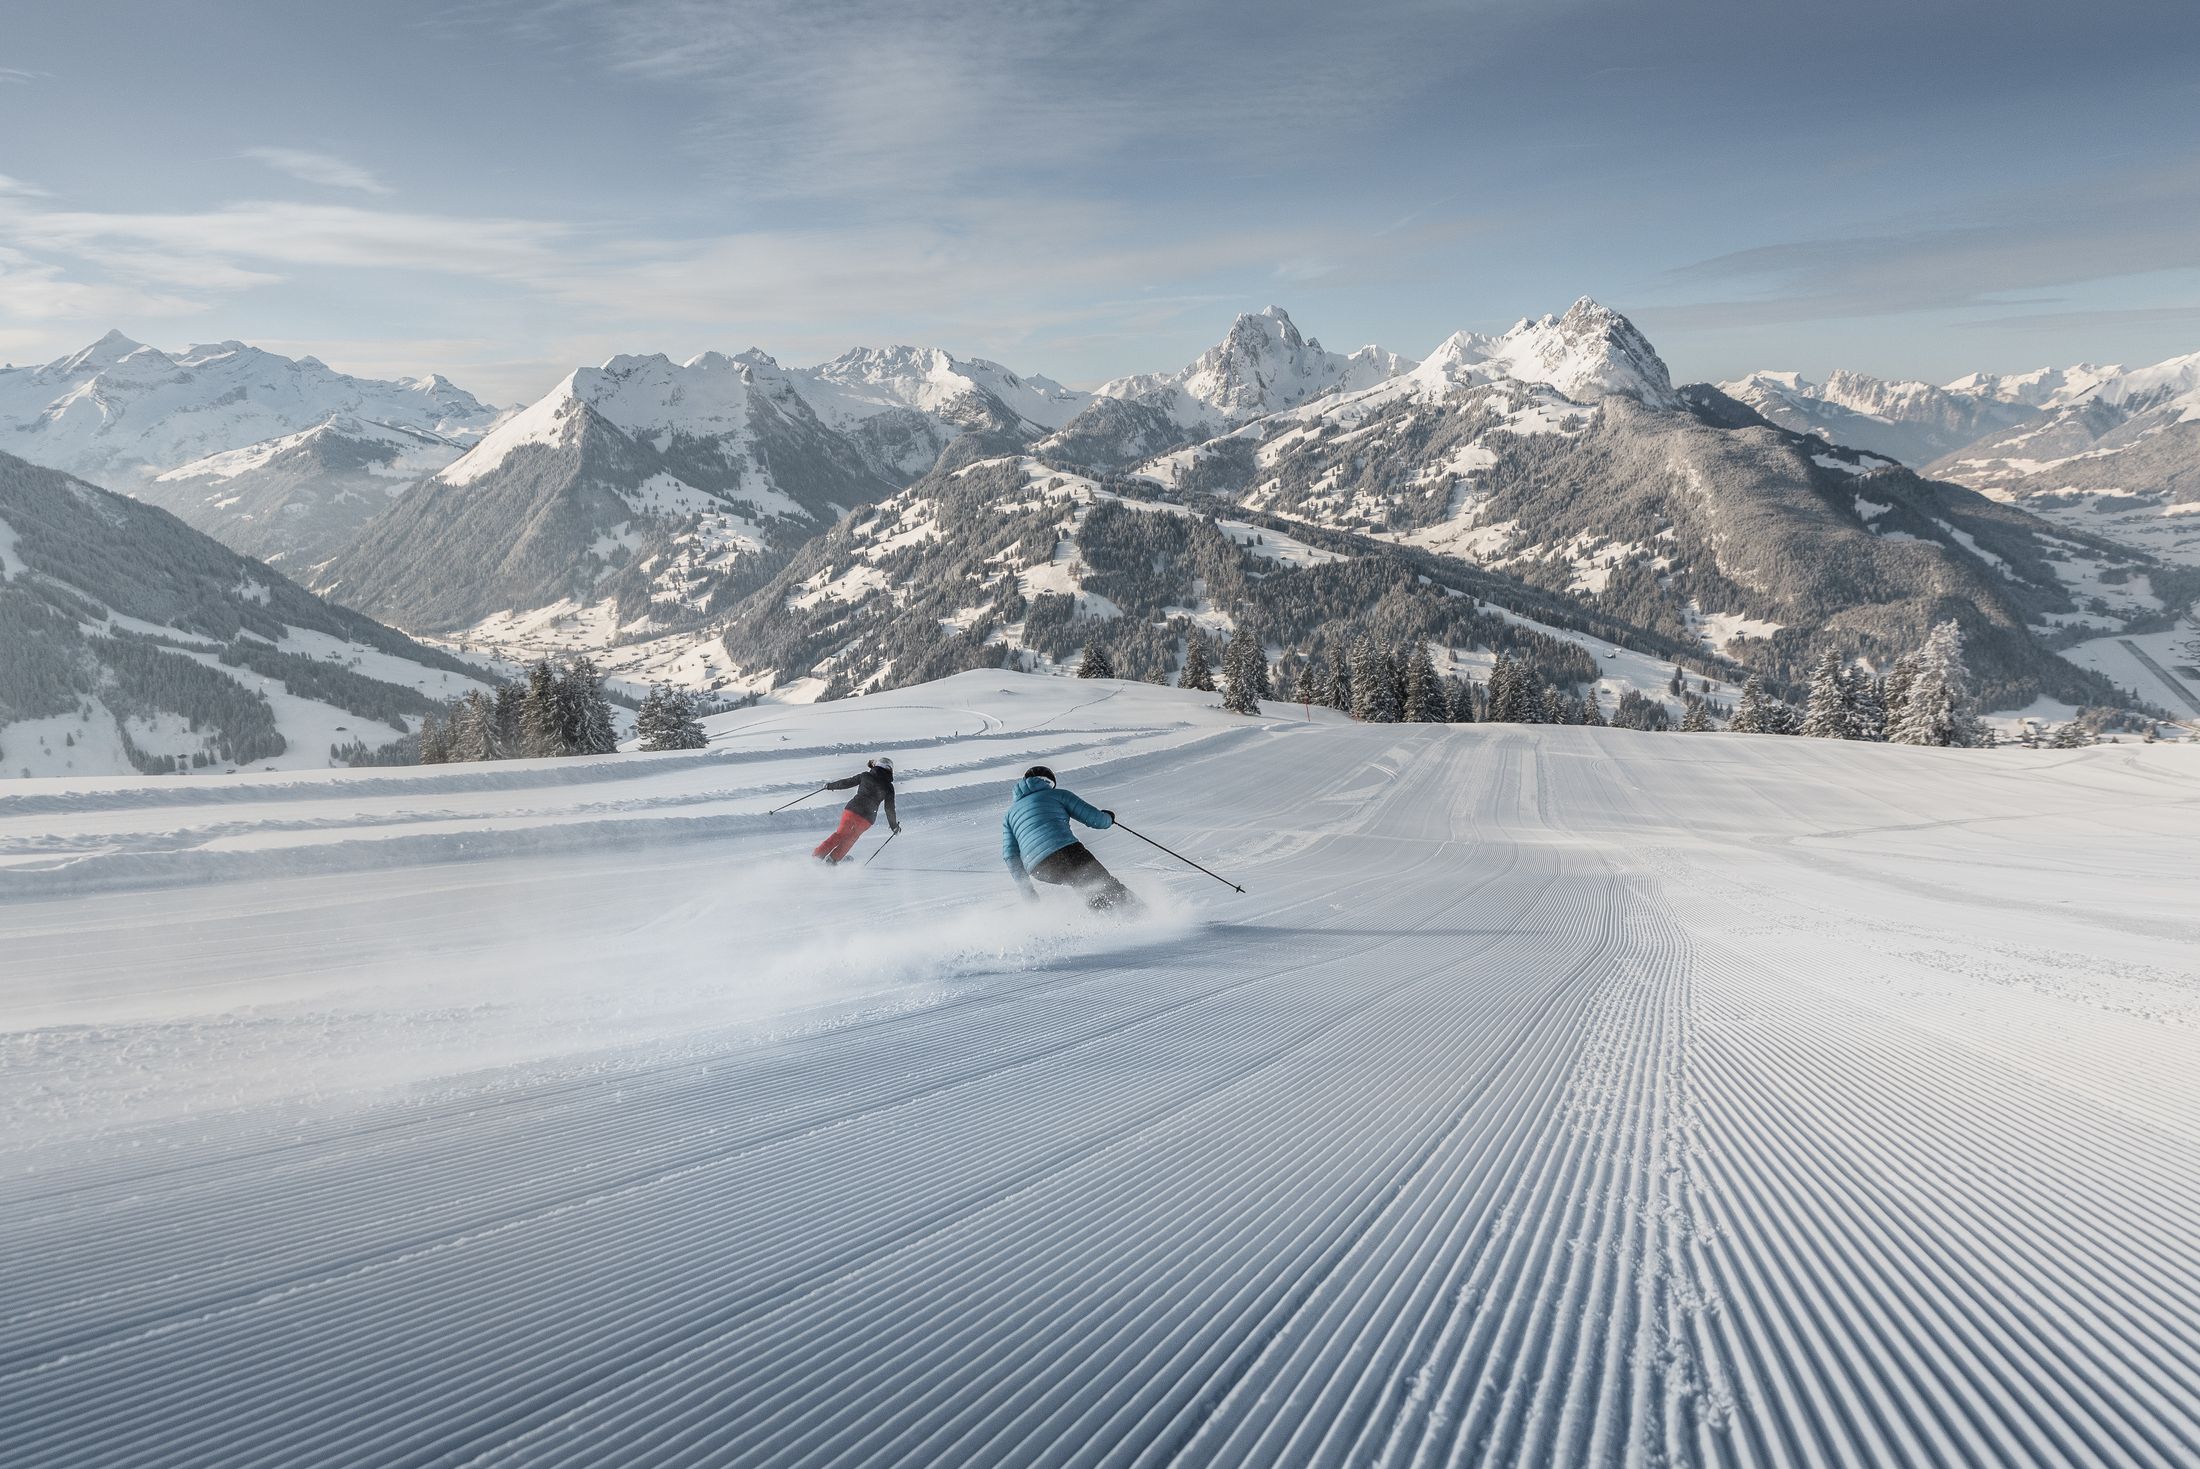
column 550, row 711
column 1925, row 699
column 1381, row 685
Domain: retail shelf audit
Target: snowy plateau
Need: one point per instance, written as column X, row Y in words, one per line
column 1550, row 1096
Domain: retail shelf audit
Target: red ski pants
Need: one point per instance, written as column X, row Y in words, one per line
column 843, row 839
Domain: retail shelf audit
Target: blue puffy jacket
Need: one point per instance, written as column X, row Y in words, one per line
column 1037, row 824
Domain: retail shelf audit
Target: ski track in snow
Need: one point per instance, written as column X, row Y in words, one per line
column 1554, row 1097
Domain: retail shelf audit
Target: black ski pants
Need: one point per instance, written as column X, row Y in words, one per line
column 1076, row 867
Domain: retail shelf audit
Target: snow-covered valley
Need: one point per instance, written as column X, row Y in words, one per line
column 1554, row 1095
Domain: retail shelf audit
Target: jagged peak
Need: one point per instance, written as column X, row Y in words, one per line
column 109, row 350
column 1589, row 352
column 1253, row 330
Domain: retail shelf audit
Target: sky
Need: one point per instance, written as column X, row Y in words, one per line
column 502, row 191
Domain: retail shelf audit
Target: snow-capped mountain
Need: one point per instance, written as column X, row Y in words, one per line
column 1652, row 519
column 631, row 498
column 1008, row 561
column 136, row 643
column 298, row 500
column 1591, row 352
column 905, row 404
column 120, row 413
column 1557, row 454
column 2042, row 387
column 1263, row 364
column 2113, row 451
column 1913, row 422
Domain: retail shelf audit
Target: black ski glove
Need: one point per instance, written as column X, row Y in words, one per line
column 895, row 826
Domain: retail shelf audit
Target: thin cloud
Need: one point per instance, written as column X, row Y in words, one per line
column 875, row 99
column 307, row 235
column 2052, row 236
column 2086, row 320
column 319, row 168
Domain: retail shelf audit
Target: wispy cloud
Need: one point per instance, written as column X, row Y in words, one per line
column 319, row 168
column 987, row 276
column 292, row 234
column 34, row 290
column 2087, row 320
column 1980, row 253
column 881, row 99
column 19, row 76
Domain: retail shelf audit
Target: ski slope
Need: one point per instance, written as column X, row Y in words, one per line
column 1553, row 1096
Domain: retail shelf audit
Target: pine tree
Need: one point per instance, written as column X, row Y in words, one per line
column 435, row 736
column 1936, row 706
column 1096, row 663
column 1749, row 712
column 1319, row 683
column 1829, row 715
column 473, row 728
column 1198, row 672
column 1462, row 701
column 1425, row 702
column 2071, row 736
column 1371, row 683
column 653, row 718
column 1244, row 671
column 667, row 721
column 1676, row 685
column 1592, row 709
column 1894, row 693
column 584, row 713
column 1697, row 720
column 1553, row 706
column 1502, row 680
column 1340, row 685
column 511, row 739
column 542, row 732
column 1867, row 712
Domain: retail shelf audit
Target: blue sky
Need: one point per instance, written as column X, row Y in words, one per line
column 500, row 191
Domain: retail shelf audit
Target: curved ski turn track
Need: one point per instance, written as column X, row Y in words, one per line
column 1554, row 1097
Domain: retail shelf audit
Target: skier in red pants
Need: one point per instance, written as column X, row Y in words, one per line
column 873, row 788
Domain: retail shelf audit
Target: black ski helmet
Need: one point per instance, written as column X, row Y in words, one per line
column 1042, row 773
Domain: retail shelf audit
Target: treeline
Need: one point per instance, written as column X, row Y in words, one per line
column 1377, row 684
column 549, row 711
column 1924, row 699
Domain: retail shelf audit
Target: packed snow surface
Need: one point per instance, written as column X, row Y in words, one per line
column 1553, row 1096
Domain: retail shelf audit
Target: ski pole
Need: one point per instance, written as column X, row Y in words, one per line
column 798, row 800
column 1179, row 856
column 882, row 846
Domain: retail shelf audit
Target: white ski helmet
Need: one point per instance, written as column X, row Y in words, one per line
column 884, row 762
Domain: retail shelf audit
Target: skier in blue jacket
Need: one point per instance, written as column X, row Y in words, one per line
column 1036, row 842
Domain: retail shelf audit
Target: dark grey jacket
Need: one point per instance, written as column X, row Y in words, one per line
column 872, row 788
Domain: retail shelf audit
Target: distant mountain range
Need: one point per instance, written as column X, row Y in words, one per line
column 2110, row 450
column 133, row 642
column 1553, row 475
column 711, row 521
column 283, row 458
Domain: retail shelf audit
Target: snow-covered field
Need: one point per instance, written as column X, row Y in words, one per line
column 1554, row 1096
